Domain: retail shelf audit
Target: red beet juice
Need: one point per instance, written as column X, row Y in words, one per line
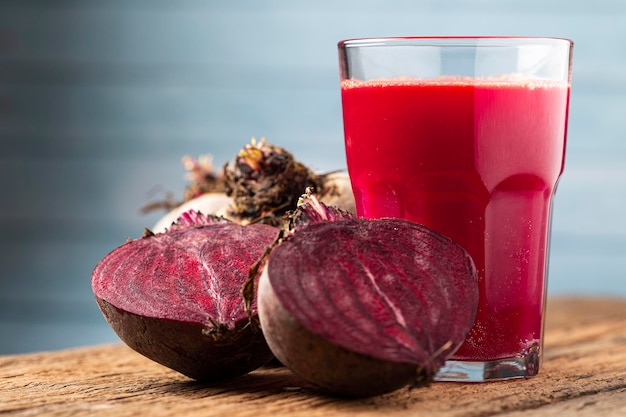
column 478, row 161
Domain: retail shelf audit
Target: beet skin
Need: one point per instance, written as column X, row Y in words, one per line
column 175, row 297
column 362, row 307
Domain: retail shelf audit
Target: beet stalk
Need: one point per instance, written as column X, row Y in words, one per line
column 362, row 307
column 175, row 297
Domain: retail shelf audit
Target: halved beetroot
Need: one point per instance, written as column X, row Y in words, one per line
column 175, row 297
column 362, row 307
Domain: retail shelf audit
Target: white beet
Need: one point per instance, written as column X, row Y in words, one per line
column 209, row 203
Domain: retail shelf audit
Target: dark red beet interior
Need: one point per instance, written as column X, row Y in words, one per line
column 188, row 274
column 390, row 289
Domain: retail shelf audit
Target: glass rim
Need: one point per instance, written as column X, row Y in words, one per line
column 453, row 41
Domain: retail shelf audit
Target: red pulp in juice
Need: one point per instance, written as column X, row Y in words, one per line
column 477, row 161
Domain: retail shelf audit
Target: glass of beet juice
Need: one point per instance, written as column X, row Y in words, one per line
column 467, row 136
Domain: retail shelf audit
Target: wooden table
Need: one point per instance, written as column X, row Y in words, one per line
column 584, row 374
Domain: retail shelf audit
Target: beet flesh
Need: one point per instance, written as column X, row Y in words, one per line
column 175, row 297
column 362, row 307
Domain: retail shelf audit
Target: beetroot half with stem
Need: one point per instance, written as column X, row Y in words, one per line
column 362, row 307
column 175, row 297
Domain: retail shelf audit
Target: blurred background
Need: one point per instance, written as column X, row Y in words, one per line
column 99, row 100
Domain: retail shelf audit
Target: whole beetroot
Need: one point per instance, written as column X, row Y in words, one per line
column 362, row 307
column 260, row 185
column 175, row 297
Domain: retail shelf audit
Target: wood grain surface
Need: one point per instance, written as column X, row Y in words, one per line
column 584, row 374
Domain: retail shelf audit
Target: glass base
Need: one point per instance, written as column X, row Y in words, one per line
column 523, row 366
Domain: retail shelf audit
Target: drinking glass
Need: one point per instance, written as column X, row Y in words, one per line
column 467, row 136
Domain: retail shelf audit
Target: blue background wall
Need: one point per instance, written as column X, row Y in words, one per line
column 100, row 99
